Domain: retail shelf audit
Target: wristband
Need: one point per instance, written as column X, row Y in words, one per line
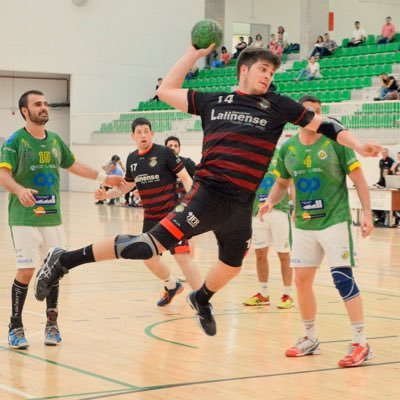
column 101, row 177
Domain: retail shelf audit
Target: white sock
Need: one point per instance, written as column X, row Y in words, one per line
column 170, row 283
column 358, row 333
column 264, row 289
column 310, row 330
column 287, row 290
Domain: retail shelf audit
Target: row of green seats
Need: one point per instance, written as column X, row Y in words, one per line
column 325, row 84
column 370, row 121
column 153, row 105
column 333, row 62
column 368, row 49
column 223, row 71
column 204, row 82
column 326, row 96
column 349, row 72
column 381, row 107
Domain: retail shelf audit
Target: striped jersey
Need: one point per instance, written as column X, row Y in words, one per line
column 154, row 173
column 240, row 135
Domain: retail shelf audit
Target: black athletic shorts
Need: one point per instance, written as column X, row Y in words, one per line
column 203, row 210
column 181, row 247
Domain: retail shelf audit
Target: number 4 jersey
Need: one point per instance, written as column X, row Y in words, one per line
column 319, row 174
column 35, row 164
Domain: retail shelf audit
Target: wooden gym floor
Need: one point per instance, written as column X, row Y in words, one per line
column 117, row 344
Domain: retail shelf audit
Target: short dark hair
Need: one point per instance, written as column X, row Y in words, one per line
column 23, row 100
column 140, row 121
column 310, row 98
column 172, row 138
column 115, row 158
column 356, row 22
column 251, row 55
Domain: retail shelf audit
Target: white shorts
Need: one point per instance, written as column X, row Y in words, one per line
column 31, row 243
column 336, row 242
column 273, row 232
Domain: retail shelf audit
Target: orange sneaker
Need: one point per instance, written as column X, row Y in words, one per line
column 304, row 347
column 257, row 300
column 356, row 355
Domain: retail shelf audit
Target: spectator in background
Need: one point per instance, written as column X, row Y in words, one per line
column 385, row 162
column 388, row 85
column 211, row 57
column 240, row 47
column 281, row 41
column 312, row 71
column 396, row 167
column 155, row 98
column 281, row 31
column 225, row 59
column 274, row 46
column 113, row 167
column 259, row 42
column 327, row 49
column 249, row 41
column 388, row 32
column 192, row 73
column 318, row 44
column 358, row 36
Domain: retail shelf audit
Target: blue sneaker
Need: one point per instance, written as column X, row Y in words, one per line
column 16, row 339
column 169, row 294
column 52, row 335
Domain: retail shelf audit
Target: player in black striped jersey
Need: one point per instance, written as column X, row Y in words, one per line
column 153, row 169
column 236, row 153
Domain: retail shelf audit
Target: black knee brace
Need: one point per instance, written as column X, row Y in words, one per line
column 140, row 247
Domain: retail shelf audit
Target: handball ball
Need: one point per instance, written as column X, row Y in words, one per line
column 205, row 32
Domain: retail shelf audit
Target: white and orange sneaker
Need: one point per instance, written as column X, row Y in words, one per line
column 257, row 300
column 286, row 302
column 304, row 347
column 356, row 355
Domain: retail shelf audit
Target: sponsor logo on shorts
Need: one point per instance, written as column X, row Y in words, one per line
column 49, row 199
column 312, row 204
column 192, row 220
column 40, row 211
column 345, row 255
column 295, row 261
column 179, row 208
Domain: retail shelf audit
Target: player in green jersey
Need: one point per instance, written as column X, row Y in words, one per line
column 319, row 167
column 273, row 231
column 30, row 162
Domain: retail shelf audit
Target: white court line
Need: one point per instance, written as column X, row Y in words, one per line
column 15, row 391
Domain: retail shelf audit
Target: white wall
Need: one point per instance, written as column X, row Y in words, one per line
column 114, row 50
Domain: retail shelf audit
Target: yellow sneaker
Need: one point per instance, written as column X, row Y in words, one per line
column 257, row 300
column 286, row 302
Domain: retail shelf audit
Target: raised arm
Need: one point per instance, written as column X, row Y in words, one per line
column 337, row 132
column 171, row 90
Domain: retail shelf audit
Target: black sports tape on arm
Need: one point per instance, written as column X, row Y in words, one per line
column 306, row 118
column 331, row 128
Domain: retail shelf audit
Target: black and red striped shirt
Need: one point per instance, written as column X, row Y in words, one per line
column 154, row 172
column 240, row 135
